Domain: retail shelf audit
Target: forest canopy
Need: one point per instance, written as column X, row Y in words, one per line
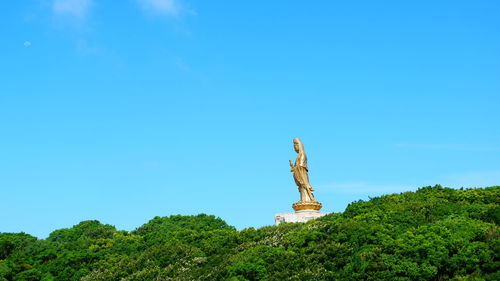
column 435, row 233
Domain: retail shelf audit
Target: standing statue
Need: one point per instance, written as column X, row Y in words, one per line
column 308, row 207
column 300, row 175
column 299, row 170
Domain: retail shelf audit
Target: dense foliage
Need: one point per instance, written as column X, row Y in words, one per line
column 434, row 233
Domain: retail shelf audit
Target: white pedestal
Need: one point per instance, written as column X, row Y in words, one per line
column 298, row 216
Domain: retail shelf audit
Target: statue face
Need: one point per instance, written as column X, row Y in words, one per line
column 296, row 147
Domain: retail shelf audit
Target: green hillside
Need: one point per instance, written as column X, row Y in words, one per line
column 434, row 233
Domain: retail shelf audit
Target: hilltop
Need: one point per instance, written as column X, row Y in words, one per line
column 435, row 233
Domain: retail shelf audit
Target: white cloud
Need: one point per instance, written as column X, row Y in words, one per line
column 364, row 188
column 473, row 179
column 168, row 7
column 182, row 65
column 467, row 180
column 27, row 43
column 74, row 8
column 447, row 146
column 84, row 48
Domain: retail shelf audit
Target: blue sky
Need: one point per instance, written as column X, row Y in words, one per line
column 124, row 110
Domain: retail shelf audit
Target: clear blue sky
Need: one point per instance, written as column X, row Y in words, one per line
column 124, row 110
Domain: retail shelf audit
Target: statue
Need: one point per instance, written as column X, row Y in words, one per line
column 308, row 207
column 301, row 177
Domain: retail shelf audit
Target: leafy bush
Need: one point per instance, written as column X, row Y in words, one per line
column 435, row 233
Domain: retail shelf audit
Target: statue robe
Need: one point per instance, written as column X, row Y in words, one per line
column 300, row 175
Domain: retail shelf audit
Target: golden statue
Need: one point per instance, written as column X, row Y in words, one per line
column 301, row 177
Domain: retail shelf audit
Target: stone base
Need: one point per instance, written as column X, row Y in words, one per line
column 298, row 216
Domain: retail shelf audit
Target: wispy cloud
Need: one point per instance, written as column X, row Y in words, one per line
column 27, row 43
column 470, row 179
column 84, row 48
column 473, row 179
column 73, row 8
column 167, row 7
column 362, row 187
column 447, row 146
column 182, row 65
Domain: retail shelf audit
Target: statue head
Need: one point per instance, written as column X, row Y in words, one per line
column 297, row 145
